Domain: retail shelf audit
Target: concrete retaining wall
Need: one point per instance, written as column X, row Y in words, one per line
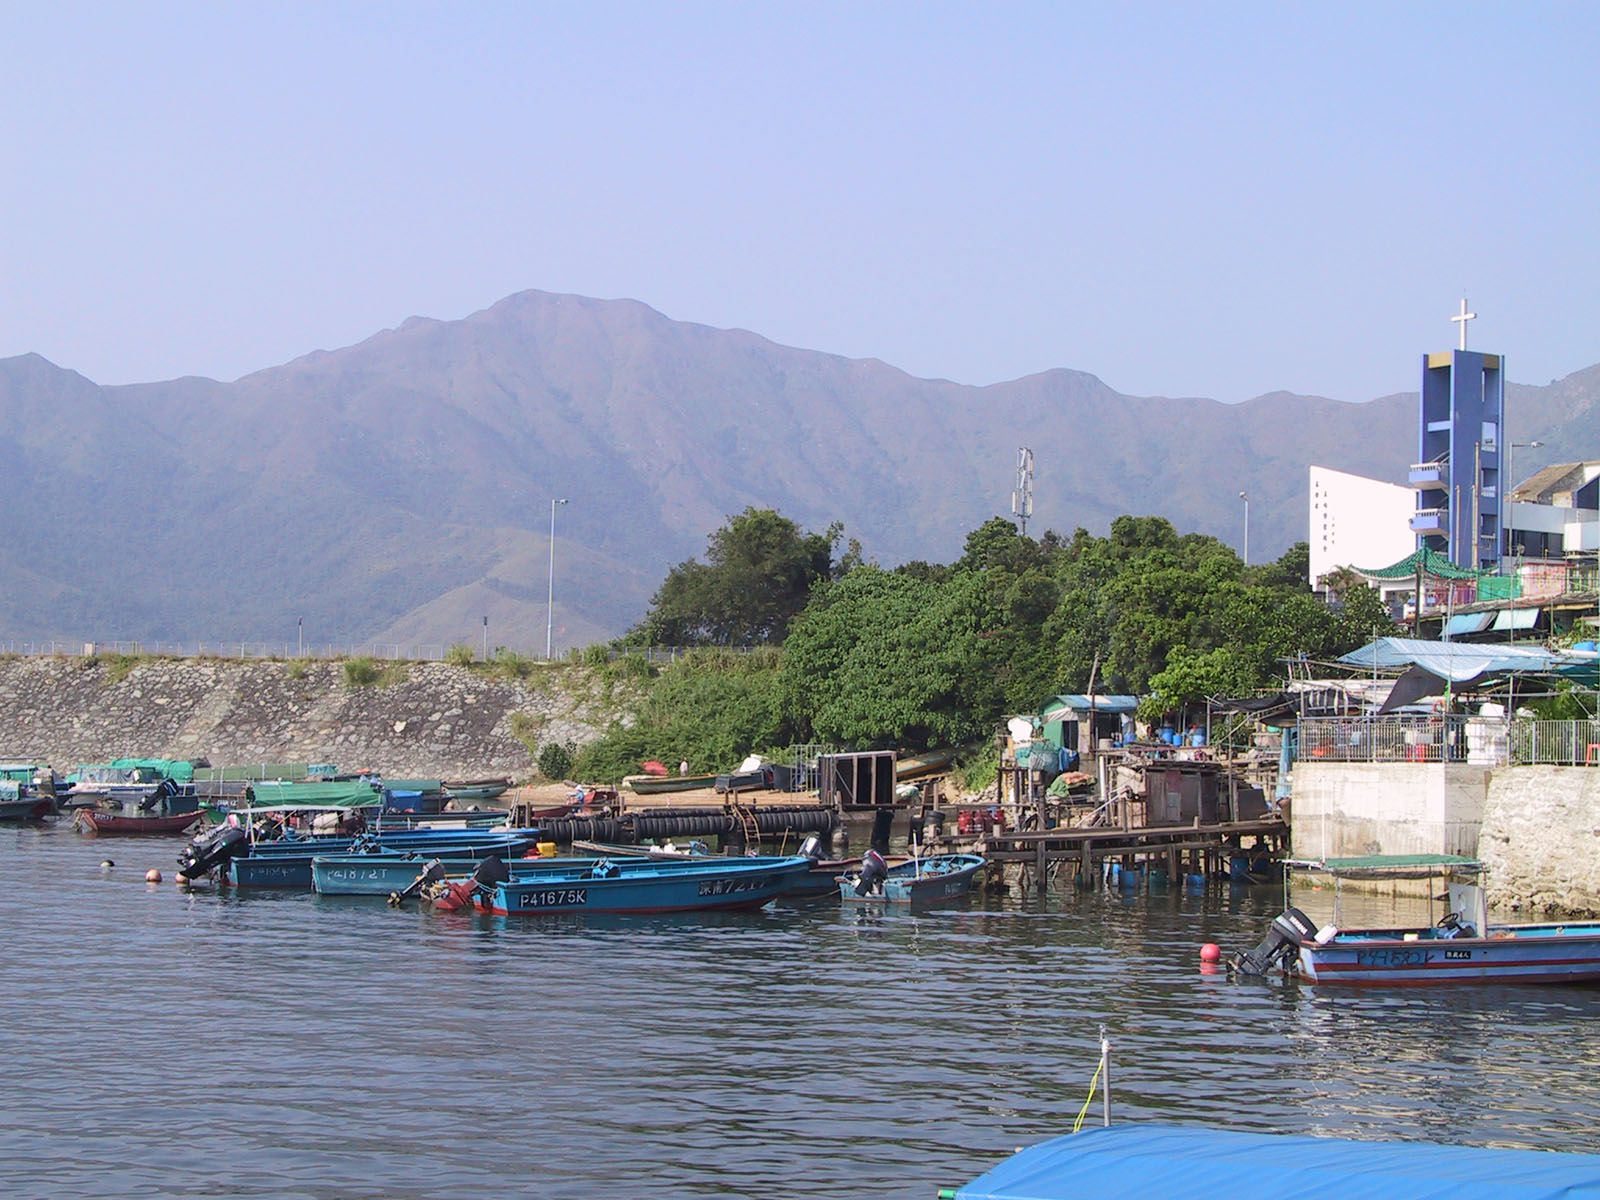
column 439, row 721
column 1350, row 809
column 1537, row 829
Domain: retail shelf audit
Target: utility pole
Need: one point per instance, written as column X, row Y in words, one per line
column 550, row 600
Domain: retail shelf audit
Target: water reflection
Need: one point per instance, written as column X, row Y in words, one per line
column 811, row 1049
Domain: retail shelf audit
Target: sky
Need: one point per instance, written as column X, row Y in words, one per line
column 1216, row 200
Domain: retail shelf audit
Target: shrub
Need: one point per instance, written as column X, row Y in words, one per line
column 459, row 655
column 120, row 666
column 508, row 664
column 361, row 672
column 555, row 759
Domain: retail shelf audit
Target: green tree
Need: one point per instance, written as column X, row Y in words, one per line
column 882, row 658
column 711, row 708
column 757, row 575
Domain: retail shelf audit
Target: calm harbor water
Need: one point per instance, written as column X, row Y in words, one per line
column 158, row 1043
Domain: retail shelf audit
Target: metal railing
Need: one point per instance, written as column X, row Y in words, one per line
column 1556, row 743
column 1483, row 741
column 1390, row 739
column 423, row 652
column 389, row 651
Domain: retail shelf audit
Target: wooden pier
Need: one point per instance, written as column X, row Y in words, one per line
column 1178, row 849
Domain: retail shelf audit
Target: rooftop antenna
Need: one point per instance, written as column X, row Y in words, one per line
column 1022, row 494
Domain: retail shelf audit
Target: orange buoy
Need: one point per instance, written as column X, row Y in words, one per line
column 152, row 876
column 1210, row 953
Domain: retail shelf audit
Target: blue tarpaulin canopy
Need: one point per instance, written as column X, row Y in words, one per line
column 1178, row 1163
column 1460, row 662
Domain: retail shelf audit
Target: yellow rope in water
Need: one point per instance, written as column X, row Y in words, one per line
column 1089, row 1099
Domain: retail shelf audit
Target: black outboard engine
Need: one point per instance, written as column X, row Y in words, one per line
column 811, row 848
column 164, row 790
column 490, row 872
column 873, row 872
column 1284, row 937
column 432, row 872
column 213, row 850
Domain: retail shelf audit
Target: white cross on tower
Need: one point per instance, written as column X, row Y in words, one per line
column 1461, row 319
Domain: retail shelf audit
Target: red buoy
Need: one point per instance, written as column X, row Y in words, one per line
column 1210, row 953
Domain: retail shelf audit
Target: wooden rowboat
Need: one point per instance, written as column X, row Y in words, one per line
column 928, row 880
column 97, row 821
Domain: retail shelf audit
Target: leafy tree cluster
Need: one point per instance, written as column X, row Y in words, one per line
column 931, row 654
column 757, row 575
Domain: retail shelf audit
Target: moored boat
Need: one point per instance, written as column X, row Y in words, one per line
column 651, row 785
column 639, row 885
column 1461, row 947
column 930, row 879
column 18, row 805
column 1184, row 1163
column 380, row 874
column 100, row 822
column 475, row 791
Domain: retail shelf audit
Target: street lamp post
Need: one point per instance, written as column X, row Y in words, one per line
column 1506, row 485
column 486, row 637
column 1245, row 496
column 300, row 630
column 550, row 600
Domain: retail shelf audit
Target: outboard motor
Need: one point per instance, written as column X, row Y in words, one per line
column 811, row 848
column 490, row 872
column 211, row 851
column 1284, row 937
column 874, row 870
column 164, row 790
column 432, row 872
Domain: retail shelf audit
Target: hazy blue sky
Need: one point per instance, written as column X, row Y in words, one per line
column 1214, row 200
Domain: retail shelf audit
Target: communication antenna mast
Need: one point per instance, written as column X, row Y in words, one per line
column 1022, row 494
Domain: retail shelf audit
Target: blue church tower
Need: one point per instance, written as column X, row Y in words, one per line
column 1460, row 442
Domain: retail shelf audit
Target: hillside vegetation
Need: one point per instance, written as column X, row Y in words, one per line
column 935, row 654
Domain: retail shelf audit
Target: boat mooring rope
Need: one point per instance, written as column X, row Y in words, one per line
column 1105, row 1053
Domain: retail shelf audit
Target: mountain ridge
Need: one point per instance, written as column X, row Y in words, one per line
column 376, row 489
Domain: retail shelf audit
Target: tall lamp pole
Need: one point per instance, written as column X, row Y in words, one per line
column 1506, row 485
column 1245, row 496
column 550, row 601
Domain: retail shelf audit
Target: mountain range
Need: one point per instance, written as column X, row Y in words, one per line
column 399, row 490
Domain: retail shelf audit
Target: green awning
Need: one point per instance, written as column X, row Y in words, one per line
column 346, row 794
column 1392, row 866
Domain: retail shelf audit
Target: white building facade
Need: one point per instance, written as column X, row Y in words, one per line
column 1358, row 522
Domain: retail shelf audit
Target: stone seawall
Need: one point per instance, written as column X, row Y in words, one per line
column 432, row 720
column 1541, row 840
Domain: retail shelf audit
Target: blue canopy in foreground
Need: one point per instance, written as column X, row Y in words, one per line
column 1179, row 1163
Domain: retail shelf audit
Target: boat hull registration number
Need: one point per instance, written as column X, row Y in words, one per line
column 555, row 898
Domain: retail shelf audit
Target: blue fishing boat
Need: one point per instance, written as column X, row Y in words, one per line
column 289, row 866
column 240, row 854
column 645, row 885
column 931, row 879
column 381, row 874
column 1460, row 947
column 1181, row 1163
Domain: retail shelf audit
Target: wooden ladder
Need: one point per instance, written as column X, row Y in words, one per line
column 752, row 831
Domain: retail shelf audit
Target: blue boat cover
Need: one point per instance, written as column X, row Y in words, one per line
column 1179, row 1163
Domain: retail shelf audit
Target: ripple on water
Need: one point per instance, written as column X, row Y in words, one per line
column 214, row 1043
